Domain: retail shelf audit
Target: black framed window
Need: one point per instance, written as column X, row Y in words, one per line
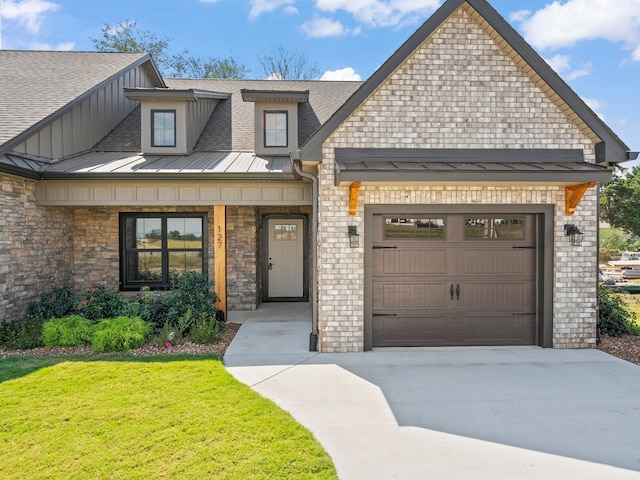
column 276, row 128
column 153, row 246
column 163, row 128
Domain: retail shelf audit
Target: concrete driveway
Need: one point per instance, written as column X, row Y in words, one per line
column 512, row 413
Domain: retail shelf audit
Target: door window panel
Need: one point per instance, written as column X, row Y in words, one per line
column 414, row 228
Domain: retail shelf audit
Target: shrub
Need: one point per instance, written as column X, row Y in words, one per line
column 204, row 330
column 101, row 302
column 190, row 290
column 71, row 331
column 59, row 302
column 614, row 317
column 22, row 334
column 140, row 306
column 120, row 334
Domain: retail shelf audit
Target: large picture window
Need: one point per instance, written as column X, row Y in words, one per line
column 154, row 246
column 163, row 128
column 275, row 129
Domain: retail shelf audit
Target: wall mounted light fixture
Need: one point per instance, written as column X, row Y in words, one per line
column 354, row 238
column 575, row 235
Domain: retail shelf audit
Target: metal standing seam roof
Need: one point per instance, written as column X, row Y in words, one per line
column 226, row 145
column 450, row 165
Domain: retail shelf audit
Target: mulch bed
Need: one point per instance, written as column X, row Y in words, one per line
column 626, row 348
column 150, row 348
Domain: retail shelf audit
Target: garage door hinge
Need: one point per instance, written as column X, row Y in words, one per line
column 376, row 247
column 385, row 315
column 523, row 314
column 524, row 248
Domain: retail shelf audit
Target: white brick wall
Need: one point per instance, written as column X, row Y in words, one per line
column 457, row 90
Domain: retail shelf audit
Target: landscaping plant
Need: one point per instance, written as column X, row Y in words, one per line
column 120, row 334
column 71, row 331
column 614, row 317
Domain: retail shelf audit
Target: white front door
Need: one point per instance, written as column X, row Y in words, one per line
column 285, row 262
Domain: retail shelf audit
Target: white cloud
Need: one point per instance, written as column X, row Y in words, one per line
column 347, row 73
column 380, row 13
column 324, row 27
column 636, row 54
column 623, row 122
column 560, row 25
column 561, row 64
column 258, row 7
column 519, row 15
column 595, row 105
column 28, row 12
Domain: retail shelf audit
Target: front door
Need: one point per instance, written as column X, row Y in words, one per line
column 285, row 259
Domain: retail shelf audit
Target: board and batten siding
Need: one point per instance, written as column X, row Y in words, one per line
column 87, row 122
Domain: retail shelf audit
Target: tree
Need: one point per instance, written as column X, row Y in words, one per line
column 185, row 65
column 620, row 202
column 127, row 37
column 280, row 63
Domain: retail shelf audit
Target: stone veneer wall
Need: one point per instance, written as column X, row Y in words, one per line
column 36, row 244
column 457, row 90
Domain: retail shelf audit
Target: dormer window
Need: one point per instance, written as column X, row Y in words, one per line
column 276, row 128
column 275, row 119
column 163, row 128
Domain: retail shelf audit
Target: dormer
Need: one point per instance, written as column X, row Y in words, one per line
column 275, row 119
column 172, row 120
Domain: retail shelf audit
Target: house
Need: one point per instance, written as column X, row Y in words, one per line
column 437, row 203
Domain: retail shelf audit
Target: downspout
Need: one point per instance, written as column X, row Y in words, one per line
column 296, row 165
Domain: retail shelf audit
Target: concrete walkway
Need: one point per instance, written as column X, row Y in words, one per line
column 468, row 413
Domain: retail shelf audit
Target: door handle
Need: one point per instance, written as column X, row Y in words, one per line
column 457, row 291
column 451, row 291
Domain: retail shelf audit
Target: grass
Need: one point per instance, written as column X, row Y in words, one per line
column 131, row 418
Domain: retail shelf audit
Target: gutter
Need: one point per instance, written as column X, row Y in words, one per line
column 296, row 165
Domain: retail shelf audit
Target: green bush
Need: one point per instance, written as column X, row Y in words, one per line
column 22, row 334
column 120, row 334
column 71, row 331
column 204, row 330
column 614, row 317
column 101, row 302
column 58, row 303
column 190, row 291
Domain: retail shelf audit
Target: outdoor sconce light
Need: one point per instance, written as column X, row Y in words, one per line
column 575, row 235
column 354, row 238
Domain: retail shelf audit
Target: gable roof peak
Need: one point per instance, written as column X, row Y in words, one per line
column 610, row 149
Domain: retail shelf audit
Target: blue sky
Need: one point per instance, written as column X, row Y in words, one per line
column 593, row 44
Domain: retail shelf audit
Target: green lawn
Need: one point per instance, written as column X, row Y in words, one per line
column 130, row 418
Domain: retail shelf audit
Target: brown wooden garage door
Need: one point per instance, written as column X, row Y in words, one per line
column 443, row 280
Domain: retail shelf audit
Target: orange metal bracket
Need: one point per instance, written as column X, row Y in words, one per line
column 573, row 194
column 354, row 189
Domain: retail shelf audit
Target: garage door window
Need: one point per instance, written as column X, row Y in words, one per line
column 414, row 228
column 494, row 228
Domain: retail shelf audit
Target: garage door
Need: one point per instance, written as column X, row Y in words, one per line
column 444, row 280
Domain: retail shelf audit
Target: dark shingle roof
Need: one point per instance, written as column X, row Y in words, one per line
column 37, row 84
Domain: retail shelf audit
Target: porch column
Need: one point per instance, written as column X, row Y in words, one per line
column 220, row 256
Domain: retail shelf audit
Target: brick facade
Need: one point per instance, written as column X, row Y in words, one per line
column 43, row 247
column 36, row 245
column 457, row 90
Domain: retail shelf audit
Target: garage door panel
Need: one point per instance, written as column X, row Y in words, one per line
column 405, row 295
column 453, row 330
column 514, row 296
column 503, row 261
column 409, row 261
